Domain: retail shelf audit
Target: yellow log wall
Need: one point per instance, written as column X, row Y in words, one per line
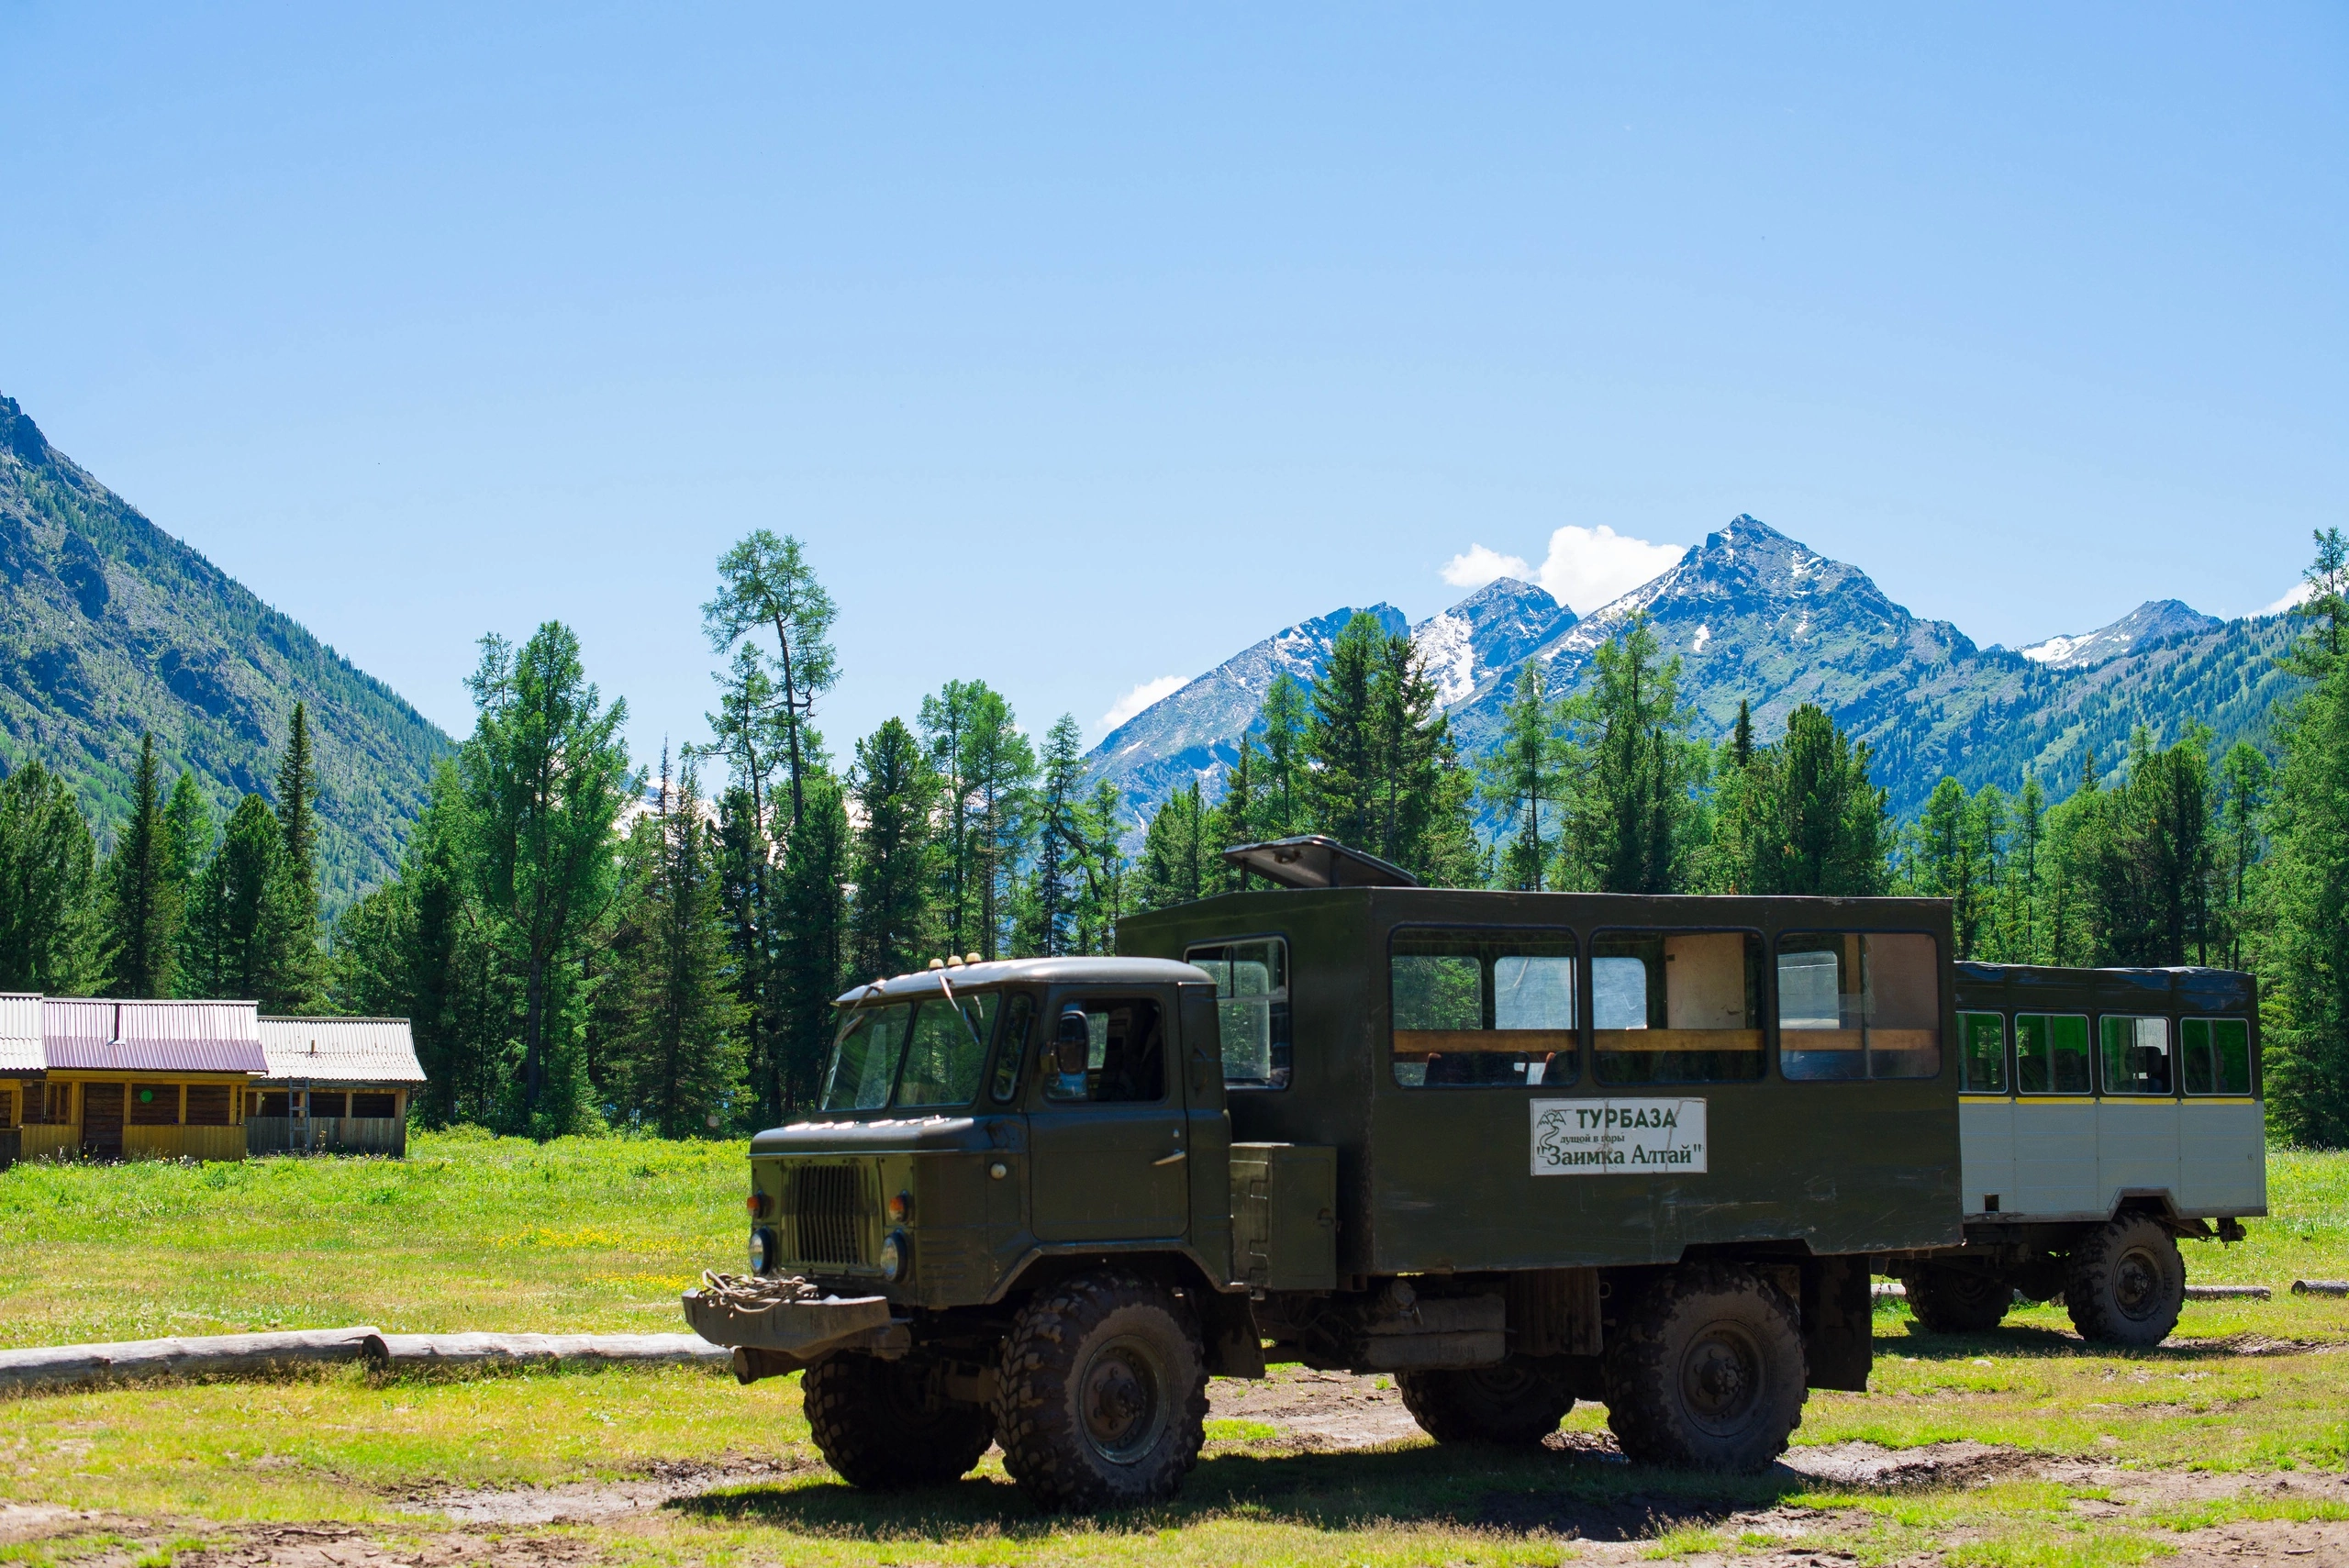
column 52, row 1140
column 183, row 1143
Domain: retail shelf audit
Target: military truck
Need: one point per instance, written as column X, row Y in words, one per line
column 2102, row 1113
column 1516, row 1150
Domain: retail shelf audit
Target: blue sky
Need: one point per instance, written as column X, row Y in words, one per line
column 1084, row 347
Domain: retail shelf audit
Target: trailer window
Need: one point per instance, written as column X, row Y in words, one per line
column 1982, row 1039
column 1859, row 1005
column 2217, row 1055
column 2051, row 1053
column 947, row 1048
column 1251, row 1009
column 2136, row 1055
column 1482, row 1008
column 1677, row 1006
column 864, row 1061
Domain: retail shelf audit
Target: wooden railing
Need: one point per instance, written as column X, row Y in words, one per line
column 326, row 1135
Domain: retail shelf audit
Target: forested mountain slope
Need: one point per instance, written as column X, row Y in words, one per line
column 110, row 628
column 1757, row 616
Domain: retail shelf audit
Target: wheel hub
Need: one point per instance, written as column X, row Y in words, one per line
column 1121, row 1400
column 1721, row 1378
column 2136, row 1283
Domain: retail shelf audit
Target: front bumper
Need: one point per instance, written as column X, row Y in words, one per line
column 786, row 1336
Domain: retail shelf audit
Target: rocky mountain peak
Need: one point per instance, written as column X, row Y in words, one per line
column 2153, row 621
column 1492, row 629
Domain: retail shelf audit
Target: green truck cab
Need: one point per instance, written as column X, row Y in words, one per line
column 1515, row 1149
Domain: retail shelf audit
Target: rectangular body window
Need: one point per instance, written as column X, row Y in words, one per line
column 1482, row 1008
column 2052, row 1054
column 2136, row 1055
column 1982, row 1044
column 865, row 1057
column 1251, row 1009
column 1676, row 1007
column 2216, row 1055
column 1018, row 1018
column 947, row 1049
column 1105, row 1051
column 1859, row 1005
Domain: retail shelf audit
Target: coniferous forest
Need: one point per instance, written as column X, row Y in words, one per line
column 584, row 940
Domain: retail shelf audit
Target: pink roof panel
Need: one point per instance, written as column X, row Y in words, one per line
column 150, row 1037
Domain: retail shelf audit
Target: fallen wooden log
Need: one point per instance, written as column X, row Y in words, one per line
column 2320, row 1287
column 49, row 1367
column 2227, row 1292
column 410, row 1352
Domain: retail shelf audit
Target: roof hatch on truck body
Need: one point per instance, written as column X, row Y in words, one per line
column 1437, row 1162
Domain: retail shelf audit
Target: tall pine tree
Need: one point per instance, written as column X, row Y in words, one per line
column 893, row 924
column 146, row 897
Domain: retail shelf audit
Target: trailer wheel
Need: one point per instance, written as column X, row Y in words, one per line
column 1102, row 1398
column 884, row 1424
column 1515, row 1404
column 1707, row 1372
column 1948, row 1300
column 2126, row 1283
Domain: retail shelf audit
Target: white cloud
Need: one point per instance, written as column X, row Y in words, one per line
column 1480, row 566
column 1140, row 698
column 1589, row 567
column 2298, row 596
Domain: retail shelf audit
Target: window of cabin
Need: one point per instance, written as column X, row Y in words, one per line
column 947, row 1049
column 61, row 1104
column 1481, row 1008
column 1677, row 1006
column 375, row 1106
column 209, row 1104
column 2215, row 1056
column 2136, row 1051
column 8, row 1107
column 1018, row 1019
column 1982, row 1047
column 1859, row 1005
column 154, row 1104
column 864, row 1061
column 273, row 1102
column 329, row 1104
column 1125, row 1053
column 1251, row 1009
column 2052, row 1054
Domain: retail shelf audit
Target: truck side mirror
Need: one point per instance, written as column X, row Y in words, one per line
column 1072, row 1044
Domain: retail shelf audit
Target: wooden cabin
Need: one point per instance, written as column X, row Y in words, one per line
column 22, row 1068
column 142, row 1080
column 333, row 1085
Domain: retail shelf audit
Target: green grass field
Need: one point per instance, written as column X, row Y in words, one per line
column 478, row 1233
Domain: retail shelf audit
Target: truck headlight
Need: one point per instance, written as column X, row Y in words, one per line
column 893, row 1256
column 763, row 1250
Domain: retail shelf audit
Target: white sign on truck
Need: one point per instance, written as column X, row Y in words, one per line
column 1618, row 1138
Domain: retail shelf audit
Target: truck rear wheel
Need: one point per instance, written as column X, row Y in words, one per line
column 1513, row 1404
column 883, row 1424
column 2126, row 1283
column 1946, row 1300
column 1102, row 1398
column 1706, row 1371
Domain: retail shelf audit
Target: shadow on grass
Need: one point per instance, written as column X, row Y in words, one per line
column 1574, row 1492
column 2055, row 1344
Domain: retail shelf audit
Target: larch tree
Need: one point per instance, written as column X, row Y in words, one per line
column 680, row 1063
column 1283, row 806
column 1177, row 864
column 765, row 585
column 146, row 898
column 893, row 924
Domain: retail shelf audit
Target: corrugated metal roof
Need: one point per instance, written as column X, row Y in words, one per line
column 341, row 1051
column 20, row 1033
column 150, row 1037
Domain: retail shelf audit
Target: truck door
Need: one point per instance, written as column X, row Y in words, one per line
column 1109, row 1156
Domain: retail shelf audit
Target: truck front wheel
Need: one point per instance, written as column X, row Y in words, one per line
column 1948, row 1300
column 883, row 1424
column 1706, row 1371
column 1515, row 1404
column 2126, row 1283
column 1103, row 1398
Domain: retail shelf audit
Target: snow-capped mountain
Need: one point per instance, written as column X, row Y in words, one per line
column 2152, row 621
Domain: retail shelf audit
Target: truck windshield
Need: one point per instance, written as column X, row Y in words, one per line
column 940, row 1048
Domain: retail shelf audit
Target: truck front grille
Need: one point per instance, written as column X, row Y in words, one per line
column 830, row 1211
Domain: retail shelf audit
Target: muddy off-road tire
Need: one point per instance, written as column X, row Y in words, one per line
column 1958, row 1301
column 882, row 1424
column 1102, row 1402
column 1706, row 1372
column 1515, row 1404
column 2126, row 1283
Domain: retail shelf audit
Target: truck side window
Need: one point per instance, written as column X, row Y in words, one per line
column 1495, row 1008
column 1677, row 1006
column 2051, row 1053
column 1018, row 1014
column 1982, row 1045
column 2136, row 1055
column 1859, row 1005
column 2216, row 1055
column 1250, row 1008
column 1122, row 1059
